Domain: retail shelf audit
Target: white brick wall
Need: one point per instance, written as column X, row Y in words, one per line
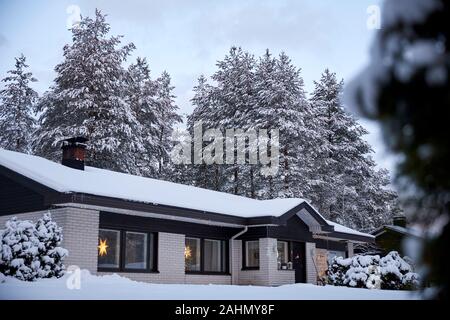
column 350, row 251
column 268, row 273
column 80, row 230
column 311, row 272
column 171, row 265
column 80, row 233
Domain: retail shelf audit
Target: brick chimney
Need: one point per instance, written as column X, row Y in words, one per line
column 74, row 151
column 399, row 221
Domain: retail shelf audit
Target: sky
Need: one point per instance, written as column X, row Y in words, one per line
column 187, row 37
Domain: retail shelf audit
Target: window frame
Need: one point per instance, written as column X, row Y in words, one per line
column 289, row 252
column 119, row 251
column 151, row 255
column 244, row 255
column 202, row 256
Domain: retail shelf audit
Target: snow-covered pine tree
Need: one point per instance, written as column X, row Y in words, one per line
column 345, row 182
column 280, row 103
column 233, row 99
column 87, row 99
column 51, row 255
column 166, row 120
column 19, row 250
column 202, row 175
column 17, row 101
column 141, row 95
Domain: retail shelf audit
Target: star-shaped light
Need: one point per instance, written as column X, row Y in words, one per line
column 102, row 248
column 187, row 252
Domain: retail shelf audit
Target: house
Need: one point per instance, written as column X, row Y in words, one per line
column 391, row 237
column 157, row 231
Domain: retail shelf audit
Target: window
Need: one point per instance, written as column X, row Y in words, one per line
column 215, row 256
column 206, row 255
column 192, row 254
column 135, row 250
column 283, row 254
column 130, row 251
column 109, row 249
column 251, row 257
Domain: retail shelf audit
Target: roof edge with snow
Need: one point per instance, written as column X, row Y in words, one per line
column 60, row 184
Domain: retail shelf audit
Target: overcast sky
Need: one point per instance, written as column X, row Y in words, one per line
column 187, row 37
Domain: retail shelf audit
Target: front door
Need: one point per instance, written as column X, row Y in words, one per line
column 299, row 261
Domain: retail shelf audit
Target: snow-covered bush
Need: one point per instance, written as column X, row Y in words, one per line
column 51, row 254
column 29, row 251
column 389, row 272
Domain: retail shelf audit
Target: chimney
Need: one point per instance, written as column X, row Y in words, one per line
column 74, row 151
column 399, row 221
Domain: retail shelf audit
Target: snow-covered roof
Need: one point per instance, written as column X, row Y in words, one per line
column 343, row 229
column 130, row 187
column 399, row 229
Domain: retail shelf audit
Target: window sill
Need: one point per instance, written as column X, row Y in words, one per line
column 126, row 270
column 206, row 273
column 286, row 269
column 250, row 268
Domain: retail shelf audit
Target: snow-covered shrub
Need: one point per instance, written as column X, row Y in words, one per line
column 389, row 272
column 51, row 255
column 337, row 269
column 29, row 251
column 393, row 268
column 19, row 250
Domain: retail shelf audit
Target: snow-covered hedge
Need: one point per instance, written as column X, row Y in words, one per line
column 31, row 250
column 364, row 271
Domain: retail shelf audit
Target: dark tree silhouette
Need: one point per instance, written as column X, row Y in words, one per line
column 406, row 88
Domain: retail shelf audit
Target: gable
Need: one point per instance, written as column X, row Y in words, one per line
column 16, row 198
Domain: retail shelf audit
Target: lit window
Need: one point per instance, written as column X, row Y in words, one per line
column 252, row 254
column 109, row 249
column 192, row 254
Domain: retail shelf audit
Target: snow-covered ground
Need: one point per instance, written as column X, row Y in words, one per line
column 117, row 287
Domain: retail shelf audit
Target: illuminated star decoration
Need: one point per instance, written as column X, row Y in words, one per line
column 102, row 247
column 187, row 252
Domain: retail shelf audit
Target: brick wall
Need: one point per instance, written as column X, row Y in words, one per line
column 350, row 251
column 171, row 265
column 80, row 233
column 268, row 273
column 311, row 273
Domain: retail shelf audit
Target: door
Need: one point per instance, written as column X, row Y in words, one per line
column 299, row 261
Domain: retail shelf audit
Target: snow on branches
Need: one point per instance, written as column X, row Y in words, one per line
column 31, row 250
column 391, row 272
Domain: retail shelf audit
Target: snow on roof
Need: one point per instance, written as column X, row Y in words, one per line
column 113, row 184
column 340, row 228
column 406, row 231
column 129, row 187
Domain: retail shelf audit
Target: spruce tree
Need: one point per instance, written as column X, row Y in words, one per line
column 141, row 94
column 17, row 101
column 51, row 255
column 346, row 185
column 88, row 100
column 166, row 120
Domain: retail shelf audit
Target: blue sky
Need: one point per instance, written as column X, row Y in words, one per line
column 187, row 37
